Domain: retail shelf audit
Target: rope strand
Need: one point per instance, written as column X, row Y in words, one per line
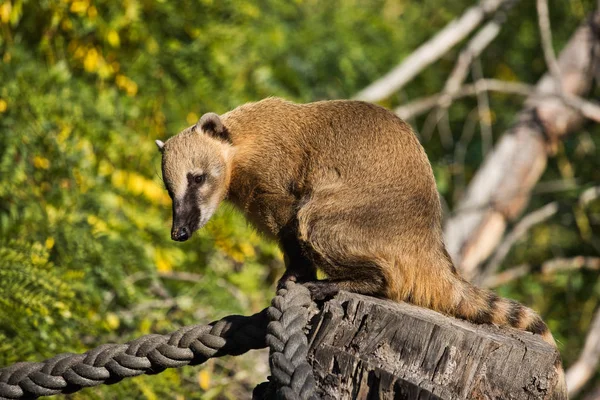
column 190, row 345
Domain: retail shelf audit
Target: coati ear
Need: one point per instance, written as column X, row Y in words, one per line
column 211, row 124
column 161, row 145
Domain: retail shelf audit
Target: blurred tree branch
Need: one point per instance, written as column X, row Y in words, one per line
column 547, row 268
column 589, row 195
column 521, row 228
column 510, row 172
column 429, row 52
column 459, row 73
column 546, row 35
column 588, row 109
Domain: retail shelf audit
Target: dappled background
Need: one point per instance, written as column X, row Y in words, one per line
column 87, row 86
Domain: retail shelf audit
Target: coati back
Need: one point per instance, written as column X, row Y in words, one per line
column 343, row 186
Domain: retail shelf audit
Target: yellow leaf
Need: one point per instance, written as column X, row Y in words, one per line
column 121, row 81
column 92, row 12
column 204, row 379
column 112, row 320
column 64, row 133
column 113, row 38
column 79, row 52
column 145, row 326
column 90, row 62
column 66, row 25
column 247, row 249
column 145, row 389
column 192, row 118
column 138, row 184
column 131, row 88
column 3, row 105
column 5, row 12
column 41, row 162
column 162, row 263
column 79, row 7
column 126, row 84
column 50, row 243
column 135, row 183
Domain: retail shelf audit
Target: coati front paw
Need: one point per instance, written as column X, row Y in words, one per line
column 321, row 290
column 296, row 276
column 286, row 278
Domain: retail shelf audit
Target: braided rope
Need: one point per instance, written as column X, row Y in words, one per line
column 150, row 354
column 288, row 346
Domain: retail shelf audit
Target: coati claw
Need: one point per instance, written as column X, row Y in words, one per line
column 321, row 290
column 286, row 278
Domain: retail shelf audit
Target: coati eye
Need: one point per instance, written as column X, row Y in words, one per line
column 200, row 179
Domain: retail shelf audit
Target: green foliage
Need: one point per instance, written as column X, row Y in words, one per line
column 85, row 254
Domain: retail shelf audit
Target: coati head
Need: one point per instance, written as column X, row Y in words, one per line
column 195, row 169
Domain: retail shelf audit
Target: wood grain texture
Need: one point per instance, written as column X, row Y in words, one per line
column 368, row 348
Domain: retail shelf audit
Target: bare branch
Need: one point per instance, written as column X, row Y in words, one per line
column 548, row 268
column 546, row 34
column 422, row 105
column 589, row 195
column 483, row 106
column 566, row 264
column 521, row 228
column 459, row 73
column 472, row 50
column 557, row 185
column 585, row 367
column 431, row 51
column 588, row 109
column 504, row 277
column 460, row 153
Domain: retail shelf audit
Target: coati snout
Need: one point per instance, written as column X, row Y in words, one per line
column 195, row 174
column 187, row 212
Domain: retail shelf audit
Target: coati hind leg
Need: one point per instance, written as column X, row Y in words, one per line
column 337, row 244
column 373, row 285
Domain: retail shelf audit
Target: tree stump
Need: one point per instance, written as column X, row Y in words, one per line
column 367, row 348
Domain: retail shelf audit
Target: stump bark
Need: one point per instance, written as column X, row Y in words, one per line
column 367, row 348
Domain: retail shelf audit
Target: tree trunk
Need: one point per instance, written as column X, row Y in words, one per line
column 367, row 348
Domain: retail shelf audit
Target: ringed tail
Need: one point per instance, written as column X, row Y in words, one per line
column 485, row 307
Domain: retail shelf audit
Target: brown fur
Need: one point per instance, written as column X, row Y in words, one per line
column 346, row 187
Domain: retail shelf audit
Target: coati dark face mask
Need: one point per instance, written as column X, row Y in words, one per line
column 195, row 173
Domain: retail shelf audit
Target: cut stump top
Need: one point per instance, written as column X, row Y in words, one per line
column 364, row 347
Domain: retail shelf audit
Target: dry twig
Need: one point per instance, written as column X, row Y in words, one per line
column 472, row 50
column 547, row 268
column 521, row 228
column 588, row 109
column 483, row 106
column 589, row 195
column 546, row 35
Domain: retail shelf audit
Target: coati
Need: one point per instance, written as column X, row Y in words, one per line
column 343, row 186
